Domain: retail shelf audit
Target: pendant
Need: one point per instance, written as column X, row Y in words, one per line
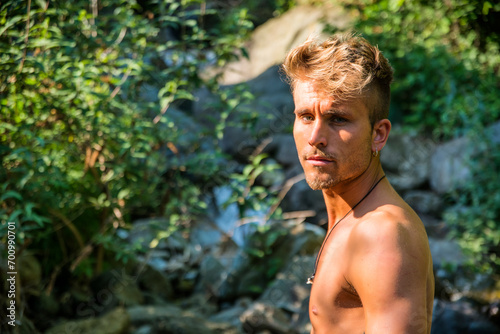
column 310, row 280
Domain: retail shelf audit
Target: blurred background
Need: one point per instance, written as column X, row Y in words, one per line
column 150, row 176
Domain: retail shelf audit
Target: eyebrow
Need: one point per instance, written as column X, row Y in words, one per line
column 337, row 112
column 332, row 111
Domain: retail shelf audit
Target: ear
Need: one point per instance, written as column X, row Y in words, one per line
column 380, row 134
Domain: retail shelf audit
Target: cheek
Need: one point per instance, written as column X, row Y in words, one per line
column 346, row 136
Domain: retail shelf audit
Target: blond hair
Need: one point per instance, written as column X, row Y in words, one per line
column 345, row 66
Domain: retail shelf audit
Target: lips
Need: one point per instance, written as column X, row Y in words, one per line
column 318, row 160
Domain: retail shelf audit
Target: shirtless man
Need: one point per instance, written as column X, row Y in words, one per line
column 373, row 273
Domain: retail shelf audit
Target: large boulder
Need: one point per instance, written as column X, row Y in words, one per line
column 293, row 28
column 451, row 161
column 450, row 165
column 405, row 159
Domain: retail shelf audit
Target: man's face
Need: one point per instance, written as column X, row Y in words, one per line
column 333, row 139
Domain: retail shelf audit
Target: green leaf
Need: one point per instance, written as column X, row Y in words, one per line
column 10, row 23
column 123, row 193
column 11, row 194
column 486, row 7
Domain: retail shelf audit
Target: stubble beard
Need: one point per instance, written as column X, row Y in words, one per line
column 317, row 183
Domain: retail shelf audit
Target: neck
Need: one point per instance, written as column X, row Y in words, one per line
column 342, row 197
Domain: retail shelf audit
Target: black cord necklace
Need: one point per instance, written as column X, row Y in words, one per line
column 310, row 280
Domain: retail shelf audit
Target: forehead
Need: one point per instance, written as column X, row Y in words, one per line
column 308, row 95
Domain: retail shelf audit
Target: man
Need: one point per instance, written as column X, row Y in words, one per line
column 373, row 273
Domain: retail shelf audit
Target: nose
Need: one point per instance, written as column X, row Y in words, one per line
column 317, row 137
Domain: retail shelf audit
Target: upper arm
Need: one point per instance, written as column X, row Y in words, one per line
column 389, row 269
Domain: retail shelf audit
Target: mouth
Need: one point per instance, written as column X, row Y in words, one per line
column 317, row 160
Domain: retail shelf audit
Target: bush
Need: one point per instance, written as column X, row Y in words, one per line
column 90, row 136
column 446, row 59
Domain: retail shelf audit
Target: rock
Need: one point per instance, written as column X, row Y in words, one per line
column 446, row 319
column 301, row 197
column 198, row 304
column 273, row 108
column 234, row 272
column 460, row 317
column 405, row 159
column 450, row 165
column 140, row 315
column 483, row 327
column 221, row 273
column 113, row 288
column 155, row 282
column 172, row 319
column 231, row 315
column 228, row 217
column 283, row 149
column 205, row 233
column 228, row 213
column 446, row 251
column 261, row 316
column 451, row 161
column 423, row 201
column 114, row 322
column 289, row 290
column 436, row 228
column 293, row 27
column 145, row 329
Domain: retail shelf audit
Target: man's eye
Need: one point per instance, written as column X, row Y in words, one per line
column 306, row 118
column 338, row 120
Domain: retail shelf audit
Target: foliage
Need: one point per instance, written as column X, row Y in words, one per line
column 262, row 10
column 446, row 59
column 85, row 146
column 247, row 194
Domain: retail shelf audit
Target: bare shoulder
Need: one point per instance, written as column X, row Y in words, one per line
column 390, row 225
column 393, row 236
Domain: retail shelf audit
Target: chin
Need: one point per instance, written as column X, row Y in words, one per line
column 317, row 183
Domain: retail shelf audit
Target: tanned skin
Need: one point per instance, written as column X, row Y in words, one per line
column 375, row 274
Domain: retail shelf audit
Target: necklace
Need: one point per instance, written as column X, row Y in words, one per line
column 310, row 280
